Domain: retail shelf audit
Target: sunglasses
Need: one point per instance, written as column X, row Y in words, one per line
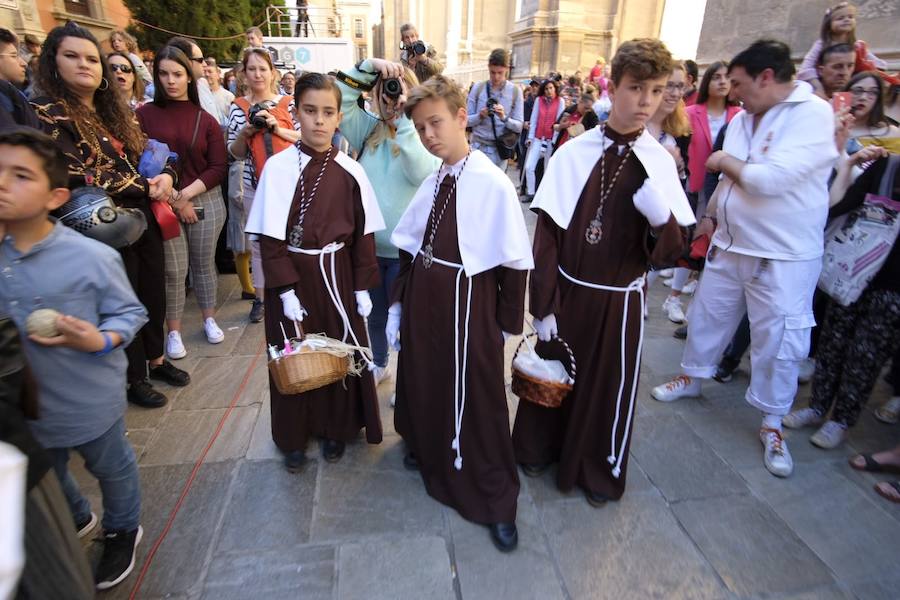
column 122, row 68
column 197, row 60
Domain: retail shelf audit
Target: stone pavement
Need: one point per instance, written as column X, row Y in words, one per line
column 701, row 517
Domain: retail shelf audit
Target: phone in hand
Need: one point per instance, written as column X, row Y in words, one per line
column 200, row 212
column 841, row 100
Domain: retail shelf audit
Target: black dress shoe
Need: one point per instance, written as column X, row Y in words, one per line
column 247, row 295
column 410, row 462
column 295, row 460
column 170, row 374
column 143, row 394
column 505, row 536
column 594, row 499
column 535, row 470
column 681, row 333
column 257, row 311
column 333, row 450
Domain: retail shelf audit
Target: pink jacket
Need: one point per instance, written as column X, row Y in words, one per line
column 702, row 142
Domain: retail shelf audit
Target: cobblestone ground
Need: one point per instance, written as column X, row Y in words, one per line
column 701, row 517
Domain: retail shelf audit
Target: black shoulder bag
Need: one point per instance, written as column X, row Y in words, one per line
column 507, row 141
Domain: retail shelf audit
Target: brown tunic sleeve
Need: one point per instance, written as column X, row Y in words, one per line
column 277, row 266
column 362, row 252
column 671, row 242
column 544, row 287
column 399, row 287
column 511, row 299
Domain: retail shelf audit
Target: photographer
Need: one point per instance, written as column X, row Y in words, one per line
column 417, row 55
column 396, row 163
column 254, row 133
column 495, row 108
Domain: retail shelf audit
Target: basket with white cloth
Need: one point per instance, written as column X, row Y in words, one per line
column 541, row 381
column 314, row 361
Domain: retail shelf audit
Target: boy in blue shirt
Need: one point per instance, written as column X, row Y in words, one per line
column 80, row 371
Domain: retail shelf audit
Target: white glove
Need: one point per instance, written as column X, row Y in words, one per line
column 392, row 330
column 652, row 204
column 290, row 304
column 363, row 303
column 546, row 327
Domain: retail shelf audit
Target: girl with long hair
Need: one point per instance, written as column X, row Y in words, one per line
column 249, row 143
column 176, row 118
column 131, row 86
column 870, row 126
column 123, row 42
column 103, row 143
column 548, row 107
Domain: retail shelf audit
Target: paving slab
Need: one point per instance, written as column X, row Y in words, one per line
column 750, row 547
column 269, row 508
column 880, row 589
column 185, row 433
column 306, row 572
column 395, row 569
column 847, row 528
column 484, row 572
column 681, row 463
column 629, row 549
column 217, row 380
column 543, row 489
column 357, row 503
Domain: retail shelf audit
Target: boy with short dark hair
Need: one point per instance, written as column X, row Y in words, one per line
column 80, row 371
column 315, row 214
column 610, row 204
column 464, row 258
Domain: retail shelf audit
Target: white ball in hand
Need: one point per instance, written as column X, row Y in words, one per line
column 42, row 322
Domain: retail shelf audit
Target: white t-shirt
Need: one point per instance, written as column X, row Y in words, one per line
column 715, row 125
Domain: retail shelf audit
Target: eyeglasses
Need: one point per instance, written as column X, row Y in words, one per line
column 674, row 87
column 122, row 68
column 197, row 60
column 860, row 92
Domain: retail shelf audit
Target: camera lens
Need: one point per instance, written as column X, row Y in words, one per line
column 392, row 88
column 419, row 47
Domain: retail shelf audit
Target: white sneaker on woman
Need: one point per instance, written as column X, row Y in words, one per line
column 214, row 334
column 800, row 418
column 682, row 386
column 830, row 435
column 174, row 346
column 673, row 309
column 690, row 287
column 776, row 455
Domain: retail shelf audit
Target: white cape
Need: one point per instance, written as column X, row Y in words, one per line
column 571, row 166
column 489, row 221
column 276, row 188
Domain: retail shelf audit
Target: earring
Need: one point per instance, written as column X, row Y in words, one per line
column 104, row 84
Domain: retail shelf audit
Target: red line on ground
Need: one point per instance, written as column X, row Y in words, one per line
column 196, row 469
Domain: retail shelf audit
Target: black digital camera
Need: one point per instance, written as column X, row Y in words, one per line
column 392, row 88
column 418, row 48
column 253, row 116
column 491, row 104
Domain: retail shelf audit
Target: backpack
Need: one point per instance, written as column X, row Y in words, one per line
column 263, row 144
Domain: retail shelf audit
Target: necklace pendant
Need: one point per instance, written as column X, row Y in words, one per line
column 296, row 236
column 428, row 259
column 594, row 232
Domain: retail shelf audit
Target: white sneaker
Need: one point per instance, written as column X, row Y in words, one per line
column 668, row 282
column 673, row 309
column 682, row 386
column 690, row 287
column 776, row 455
column 380, row 374
column 667, row 273
column 889, row 412
column 174, row 346
column 807, row 370
column 830, row 435
column 801, row 418
column 214, row 334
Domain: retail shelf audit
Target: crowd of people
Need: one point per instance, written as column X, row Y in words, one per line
column 372, row 205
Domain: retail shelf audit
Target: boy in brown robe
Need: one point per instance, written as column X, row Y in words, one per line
column 608, row 196
column 315, row 213
column 464, row 259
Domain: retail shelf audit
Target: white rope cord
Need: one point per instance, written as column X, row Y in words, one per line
column 331, row 286
column 459, row 386
column 637, row 285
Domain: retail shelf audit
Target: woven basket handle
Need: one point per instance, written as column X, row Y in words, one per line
column 298, row 329
column 558, row 339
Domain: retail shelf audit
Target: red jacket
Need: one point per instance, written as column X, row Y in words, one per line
column 702, row 142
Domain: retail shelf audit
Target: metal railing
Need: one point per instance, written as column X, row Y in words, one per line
column 306, row 21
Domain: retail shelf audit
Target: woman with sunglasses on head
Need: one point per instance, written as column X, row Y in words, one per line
column 103, row 143
column 125, row 79
column 247, row 142
column 176, row 118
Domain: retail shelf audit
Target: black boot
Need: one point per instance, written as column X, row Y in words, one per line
column 505, row 536
column 534, row 469
column 594, row 499
column 294, row 461
column 410, row 462
column 333, row 450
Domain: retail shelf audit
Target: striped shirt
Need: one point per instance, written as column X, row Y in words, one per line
column 236, row 121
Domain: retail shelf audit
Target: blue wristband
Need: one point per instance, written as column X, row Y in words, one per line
column 107, row 345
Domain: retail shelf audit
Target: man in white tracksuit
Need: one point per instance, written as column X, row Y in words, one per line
column 765, row 255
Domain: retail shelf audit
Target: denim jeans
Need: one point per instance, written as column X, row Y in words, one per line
column 111, row 460
column 388, row 268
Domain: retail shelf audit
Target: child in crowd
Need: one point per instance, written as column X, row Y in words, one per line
column 81, row 369
column 315, row 213
column 464, row 258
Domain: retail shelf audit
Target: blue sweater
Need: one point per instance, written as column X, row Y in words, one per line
column 395, row 179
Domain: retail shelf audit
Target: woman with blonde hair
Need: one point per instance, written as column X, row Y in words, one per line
column 123, row 42
column 396, row 163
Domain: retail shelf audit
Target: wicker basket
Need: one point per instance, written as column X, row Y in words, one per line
column 549, row 394
column 307, row 370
